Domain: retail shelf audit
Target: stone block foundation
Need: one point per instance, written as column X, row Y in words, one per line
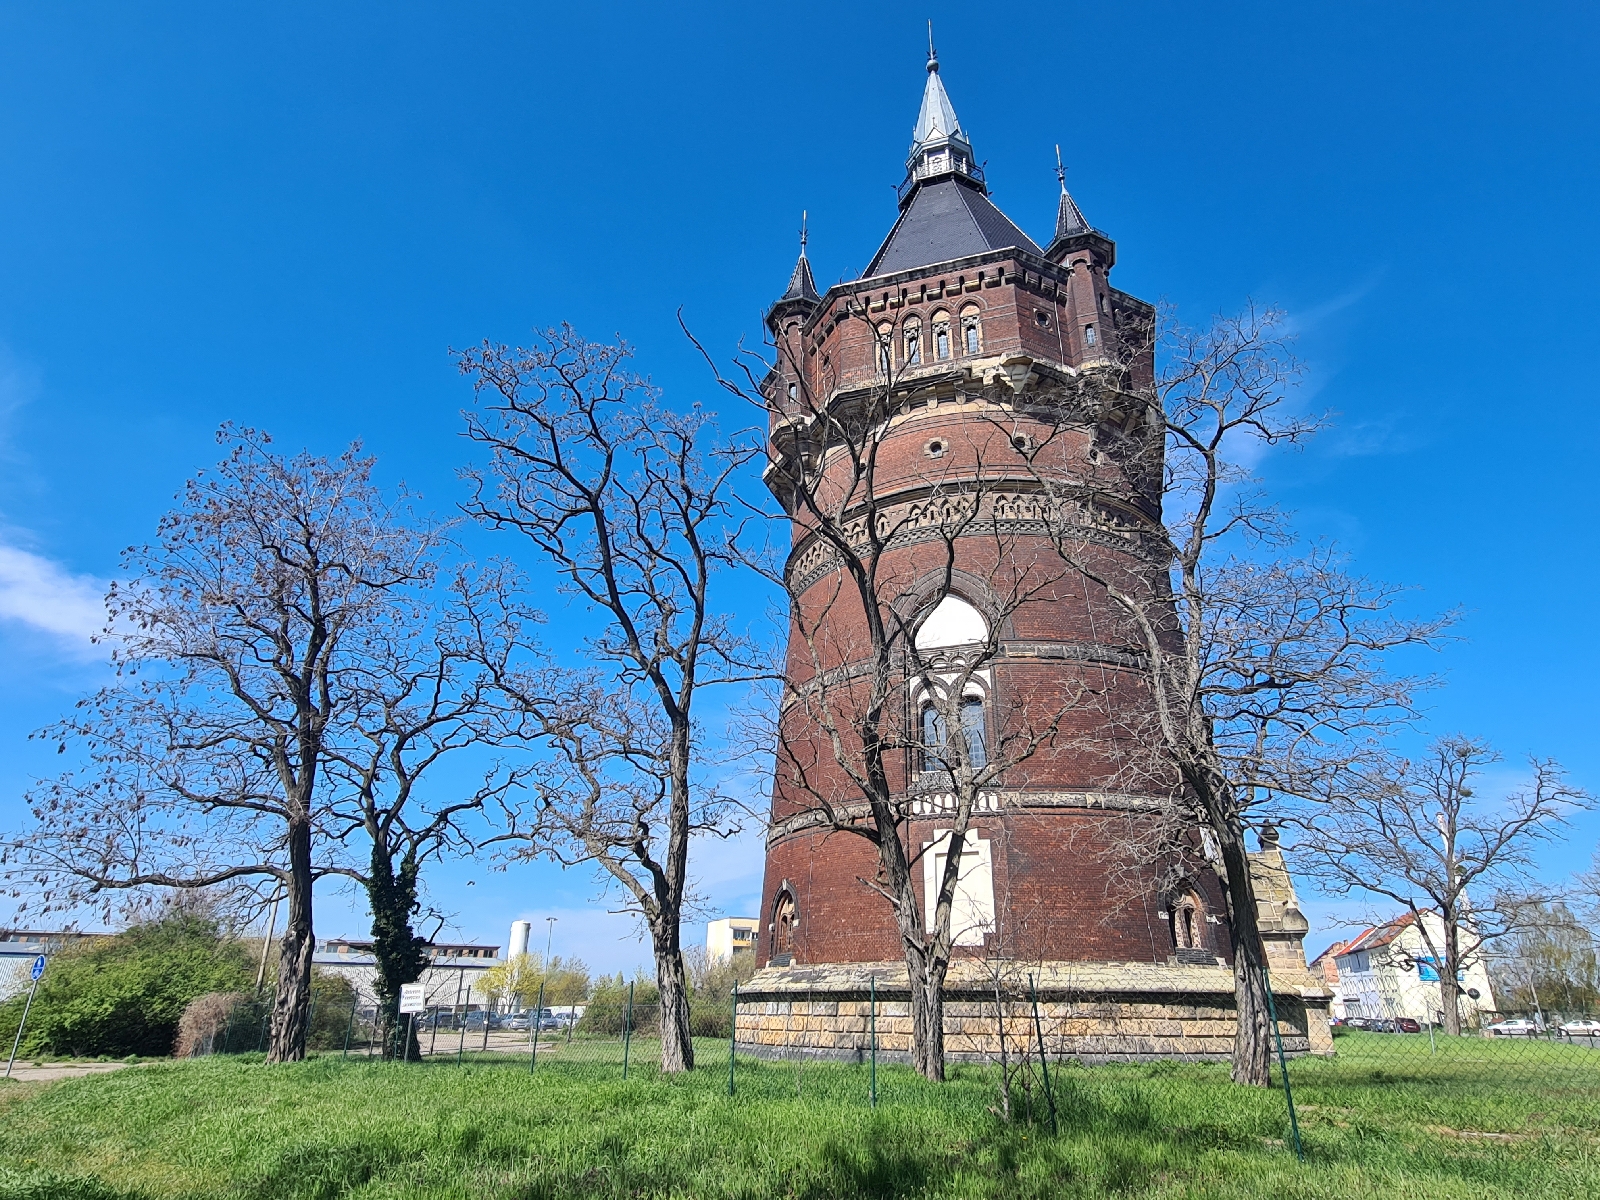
column 1092, row 1012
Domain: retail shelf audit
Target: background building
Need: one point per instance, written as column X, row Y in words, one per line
column 1389, row 971
column 453, row 978
column 730, row 936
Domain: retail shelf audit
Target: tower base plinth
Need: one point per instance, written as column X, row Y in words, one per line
column 1091, row 1012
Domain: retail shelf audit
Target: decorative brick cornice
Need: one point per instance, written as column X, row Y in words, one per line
column 994, row 801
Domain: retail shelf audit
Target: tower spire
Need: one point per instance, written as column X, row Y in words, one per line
column 939, row 146
column 801, row 296
column 1069, row 219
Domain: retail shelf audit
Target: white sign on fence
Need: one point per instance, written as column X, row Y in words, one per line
column 413, row 998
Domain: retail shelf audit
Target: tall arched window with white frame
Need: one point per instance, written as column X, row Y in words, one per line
column 913, row 336
column 971, row 330
column 883, row 348
column 948, row 640
column 941, row 335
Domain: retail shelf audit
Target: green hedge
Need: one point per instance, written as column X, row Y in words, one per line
column 124, row 995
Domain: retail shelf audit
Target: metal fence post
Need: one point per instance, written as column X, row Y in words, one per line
column 1044, row 1060
column 872, row 1017
column 348, row 1029
column 1283, row 1063
column 627, row 1031
column 733, row 1034
column 533, row 1029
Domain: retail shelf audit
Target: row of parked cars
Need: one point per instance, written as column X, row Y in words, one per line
column 1380, row 1024
column 479, row 1020
column 1523, row 1027
column 1515, row 1027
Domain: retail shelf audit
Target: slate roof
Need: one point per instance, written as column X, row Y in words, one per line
column 1069, row 219
column 946, row 219
column 801, row 285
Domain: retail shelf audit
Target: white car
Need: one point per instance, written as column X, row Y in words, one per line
column 1585, row 1028
column 1516, row 1027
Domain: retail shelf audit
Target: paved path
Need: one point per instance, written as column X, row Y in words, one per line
column 51, row 1071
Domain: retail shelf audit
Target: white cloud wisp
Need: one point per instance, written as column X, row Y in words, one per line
column 42, row 596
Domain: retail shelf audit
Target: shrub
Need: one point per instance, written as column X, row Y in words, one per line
column 126, row 994
column 206, row 1023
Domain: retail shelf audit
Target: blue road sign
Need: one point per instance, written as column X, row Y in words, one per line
column 38, row 968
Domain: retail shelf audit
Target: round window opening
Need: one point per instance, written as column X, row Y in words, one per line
column 934, row 449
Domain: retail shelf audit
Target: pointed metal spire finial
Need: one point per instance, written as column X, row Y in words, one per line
column 933, row 55
column 1069, row 218
column 802, row 233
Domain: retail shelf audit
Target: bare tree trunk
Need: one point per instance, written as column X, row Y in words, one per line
column 927, row 1015
column 291, row 1007
column 1252, row 1043
column 1449, row 989
column 677, row 1044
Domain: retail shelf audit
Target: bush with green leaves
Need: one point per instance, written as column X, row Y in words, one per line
column 125, row 994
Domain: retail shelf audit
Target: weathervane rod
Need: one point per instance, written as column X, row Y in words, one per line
column 1061, row 171
column 802, row 232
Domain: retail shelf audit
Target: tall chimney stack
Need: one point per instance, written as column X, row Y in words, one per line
column 519, row 938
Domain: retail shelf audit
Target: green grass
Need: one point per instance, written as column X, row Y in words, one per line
column 1478, row 1119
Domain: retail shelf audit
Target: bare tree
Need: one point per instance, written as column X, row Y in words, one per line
column 629, row 502
column 235, row 638
column 1266, row 663
column 424, row 689
column 882, row 716
column 1418, row 834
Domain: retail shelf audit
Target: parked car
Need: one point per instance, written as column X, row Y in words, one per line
column 548, row 1021
column 482, row 1020
column 516, row 1021
column 1586, row 1027
column 1407, row 1025
column 1359, row 1022
column 1515, row 1027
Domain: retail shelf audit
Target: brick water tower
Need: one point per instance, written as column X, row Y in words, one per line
column 966, row 318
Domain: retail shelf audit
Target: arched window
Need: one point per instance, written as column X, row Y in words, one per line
column 936, row 746
column 913, row 342
column 971, row 331
column 884, row 339
column 784, row 921
column 953, row 622
column 1188, row 922
column 941, row 335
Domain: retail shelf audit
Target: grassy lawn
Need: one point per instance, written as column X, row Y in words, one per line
column 1477, row 1119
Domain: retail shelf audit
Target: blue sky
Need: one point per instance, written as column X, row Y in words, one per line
column 284, row 215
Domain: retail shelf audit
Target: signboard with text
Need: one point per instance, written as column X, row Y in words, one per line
column 413, row 998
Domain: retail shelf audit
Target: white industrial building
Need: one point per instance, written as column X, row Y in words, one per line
column 453, row 978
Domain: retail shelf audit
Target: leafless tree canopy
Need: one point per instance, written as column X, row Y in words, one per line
column 630, row 501
column 239, row 640
column 1417, row 833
